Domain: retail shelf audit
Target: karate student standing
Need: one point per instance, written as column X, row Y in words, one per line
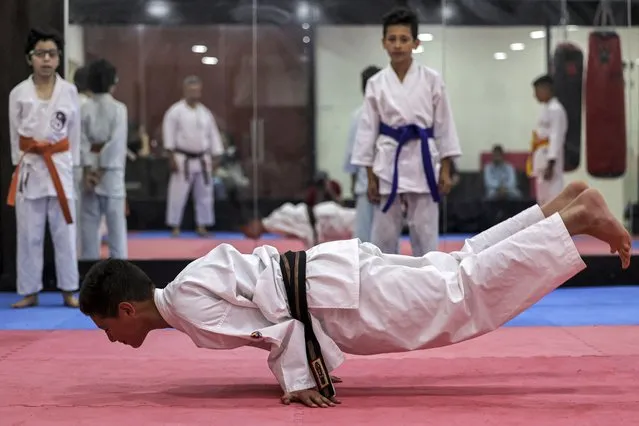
column 549, row 137
column 406, row 139
column 359, row 179
column 192, row 138
column 104, row 152
column 44, row 124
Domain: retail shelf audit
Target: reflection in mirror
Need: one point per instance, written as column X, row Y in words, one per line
column 281, row 82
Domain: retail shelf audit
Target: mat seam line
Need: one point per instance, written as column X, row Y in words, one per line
column 19, row 348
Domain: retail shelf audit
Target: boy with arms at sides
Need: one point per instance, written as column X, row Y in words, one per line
column 44, row 122
column 104, row 150
column 406, row 139
column 359, row 176
column 309, row 308
column 546, row 161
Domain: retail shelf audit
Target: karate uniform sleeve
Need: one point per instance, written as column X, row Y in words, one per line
column 113, row 154
column 218, row 324
column 217, row 147
column 557, row 133
column 287, row 359
column 169, row 129
column 75, row 129
column 445, row 131
column 85, row 144
column 352, row 132
column 14, row 120
column 367, row 131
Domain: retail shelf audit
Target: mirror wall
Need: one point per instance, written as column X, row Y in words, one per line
column 282, row 78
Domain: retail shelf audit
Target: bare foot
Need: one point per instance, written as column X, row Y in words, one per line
column 70, row 300
column 175, row 232
column 26, row 302
column 253, row 230
column 588, row 214
column 569, row 193
column 201, row 231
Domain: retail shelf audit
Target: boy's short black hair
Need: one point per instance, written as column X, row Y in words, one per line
column 42, row 34
column 402, row 16
column 110, row 282
column 80, row 79
column 367, row 73
column 102, row 75
column 544, row 80
column 498, row 148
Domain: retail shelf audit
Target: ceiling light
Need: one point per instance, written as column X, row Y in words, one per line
column 448, row 11
column 535, row 35
column 306, row 26
column 517, row 46
column 198, row 48
column 158, row 8
column 306, row 39
column 425, row 37
column 500, row 56
column 209, row 60
column 303, row 10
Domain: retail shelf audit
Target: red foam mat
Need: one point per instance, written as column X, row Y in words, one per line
column 515, row 376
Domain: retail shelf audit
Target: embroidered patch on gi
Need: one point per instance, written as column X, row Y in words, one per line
column 256, row 335
column 58, row 121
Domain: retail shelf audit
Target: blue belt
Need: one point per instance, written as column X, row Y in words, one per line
column 402, row 135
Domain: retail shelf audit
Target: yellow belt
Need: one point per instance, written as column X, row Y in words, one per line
column 535, row 144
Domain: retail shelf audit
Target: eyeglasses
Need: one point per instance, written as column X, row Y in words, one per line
column 41, row 53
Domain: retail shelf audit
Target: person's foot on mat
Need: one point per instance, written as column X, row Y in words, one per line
column 70, row 300
column 26, row 302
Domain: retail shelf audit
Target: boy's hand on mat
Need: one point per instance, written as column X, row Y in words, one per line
column 310, row 398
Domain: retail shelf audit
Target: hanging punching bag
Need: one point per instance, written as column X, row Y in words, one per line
column 605, row 106
column 568, row 69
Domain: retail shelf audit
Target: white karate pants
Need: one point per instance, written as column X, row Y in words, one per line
column 113, row 209
column 422, row 215
column 178, row 192
column 31, row 219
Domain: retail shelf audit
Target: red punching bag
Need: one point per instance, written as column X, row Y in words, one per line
column 568, row 69
column 605, row 107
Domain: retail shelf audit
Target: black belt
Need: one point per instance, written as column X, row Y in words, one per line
column 295, row 284
column 192, row 155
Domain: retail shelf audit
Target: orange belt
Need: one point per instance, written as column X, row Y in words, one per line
column 46, row 150
column 535, row 144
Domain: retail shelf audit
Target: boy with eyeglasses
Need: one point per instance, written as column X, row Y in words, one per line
column 44, row 123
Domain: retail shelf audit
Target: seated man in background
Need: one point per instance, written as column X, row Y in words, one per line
column 500, row 179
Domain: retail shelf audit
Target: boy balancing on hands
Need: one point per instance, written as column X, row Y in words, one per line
column 308, row 308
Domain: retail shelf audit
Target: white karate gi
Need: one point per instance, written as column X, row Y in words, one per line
column 195, row 131
column 420, row 100
column 552, row 125
column 332, row 222
column 105, row 120
column 37, row 201
column 77, row 176
column 365, row 302
column 363, row 207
